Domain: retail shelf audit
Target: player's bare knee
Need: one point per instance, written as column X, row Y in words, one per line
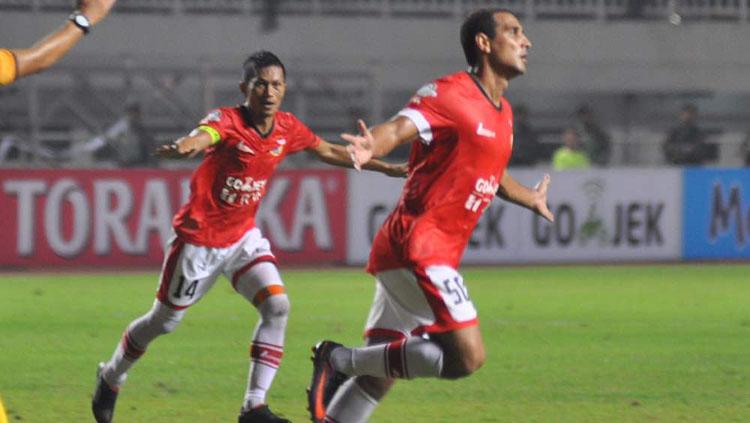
column 475, row 361
column 462, row 365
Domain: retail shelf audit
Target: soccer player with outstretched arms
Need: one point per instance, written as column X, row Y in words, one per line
column 422, row 322
column 216, row 233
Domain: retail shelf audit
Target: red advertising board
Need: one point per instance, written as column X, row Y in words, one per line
column 122, row 218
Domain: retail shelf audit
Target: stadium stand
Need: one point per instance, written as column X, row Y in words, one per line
column 736, row 10
column 68, row 106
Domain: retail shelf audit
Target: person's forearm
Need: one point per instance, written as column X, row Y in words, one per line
column 377, row 166
column 192, row 145
column 512, row 191
column 338, row 156
column 385, row 139
column 47, row 51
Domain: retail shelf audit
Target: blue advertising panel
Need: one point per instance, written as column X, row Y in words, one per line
column 716, row 214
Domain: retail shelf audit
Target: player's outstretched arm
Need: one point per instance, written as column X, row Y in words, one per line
column 533, row 199
column 379, row 141
column 338, row 155
column 186, row 147
column 54, row 46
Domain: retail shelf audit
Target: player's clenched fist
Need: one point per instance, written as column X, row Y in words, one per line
column 95, row 10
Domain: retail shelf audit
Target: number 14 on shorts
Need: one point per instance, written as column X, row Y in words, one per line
column 185, row 288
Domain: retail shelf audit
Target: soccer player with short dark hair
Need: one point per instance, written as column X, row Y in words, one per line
column 422, row 322
column 216, row 232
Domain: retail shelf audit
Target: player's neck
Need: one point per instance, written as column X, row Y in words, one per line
column 492, row 84
column 263, row 123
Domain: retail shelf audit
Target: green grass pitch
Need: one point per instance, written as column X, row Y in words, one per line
column 565, row 344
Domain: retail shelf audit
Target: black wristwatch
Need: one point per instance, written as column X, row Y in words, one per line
column 81, row 21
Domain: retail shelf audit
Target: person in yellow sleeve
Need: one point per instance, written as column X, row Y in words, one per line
column 571, row 154
column 3, row 416
column 17, row 63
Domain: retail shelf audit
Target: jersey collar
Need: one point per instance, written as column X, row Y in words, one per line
column 248, row 118
column 484, row 93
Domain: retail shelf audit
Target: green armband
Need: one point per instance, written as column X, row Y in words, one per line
column 215, row 137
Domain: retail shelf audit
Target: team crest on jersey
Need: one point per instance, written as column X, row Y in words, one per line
column 429, row 90
column 214, row 116
column 278, row 150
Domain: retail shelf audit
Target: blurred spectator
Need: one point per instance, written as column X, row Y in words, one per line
column 594, row 139
column 526, row 146
column 127, row 141
column 634, row 9
column 571, row 155
column 746, row 150
column 271, row 15
column 13, row 149
column 686, row 142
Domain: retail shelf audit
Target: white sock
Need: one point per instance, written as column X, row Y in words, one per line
column 264, row 363
column 267, row 350
column 139, row 334
column 351, row 404
column 406, row 358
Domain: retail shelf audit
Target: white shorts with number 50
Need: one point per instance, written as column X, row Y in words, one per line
column 417, row 301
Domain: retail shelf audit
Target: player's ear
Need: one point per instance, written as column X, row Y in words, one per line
column 243, row 87
column 482, row 42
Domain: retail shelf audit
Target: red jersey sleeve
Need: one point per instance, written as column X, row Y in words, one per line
column 429, row 110
column 302, row 137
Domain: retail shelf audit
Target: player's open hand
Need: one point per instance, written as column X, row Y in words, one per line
column 95, row 10
column 540, row 199
column 360, row 146
column 174, row 151
column 168, row 151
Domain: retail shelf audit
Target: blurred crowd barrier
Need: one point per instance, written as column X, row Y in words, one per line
column 122, row 218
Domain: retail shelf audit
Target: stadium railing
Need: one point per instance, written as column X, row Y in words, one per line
column 731, row 10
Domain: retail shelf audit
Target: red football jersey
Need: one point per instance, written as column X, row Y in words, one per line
column 455, row 170
column 228, row 185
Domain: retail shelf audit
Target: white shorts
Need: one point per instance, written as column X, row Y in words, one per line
column 189, row 270
column 418, row 301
